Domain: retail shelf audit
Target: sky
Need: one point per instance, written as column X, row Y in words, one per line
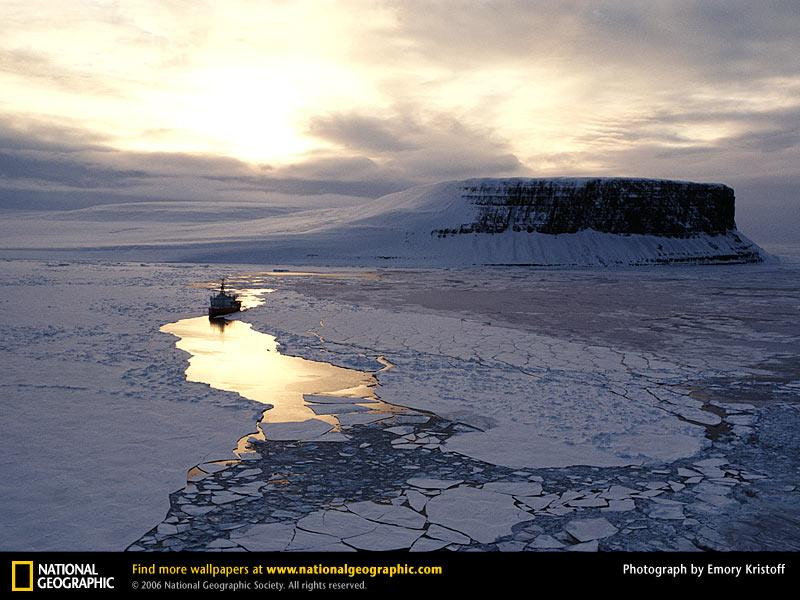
column 322, row 103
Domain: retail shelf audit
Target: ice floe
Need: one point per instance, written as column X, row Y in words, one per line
column 585, row 530
column 483, row 516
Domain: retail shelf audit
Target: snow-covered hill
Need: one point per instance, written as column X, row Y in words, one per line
column 565, row 221
column 511, row 221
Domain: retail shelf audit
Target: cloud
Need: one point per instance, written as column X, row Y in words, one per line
column 24, row 133
column 69, row 172
column 363, row 133
column 738, row 39
column 416, row 145
column 57, row 166
column 45, row 69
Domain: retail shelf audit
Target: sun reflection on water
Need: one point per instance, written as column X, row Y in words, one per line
column 230, row 355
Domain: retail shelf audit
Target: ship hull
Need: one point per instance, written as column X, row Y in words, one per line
column 218, row 312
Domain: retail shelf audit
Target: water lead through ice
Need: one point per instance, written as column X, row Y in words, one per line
column 230, row 355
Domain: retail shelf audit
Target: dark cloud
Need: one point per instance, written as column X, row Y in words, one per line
column 738, row 40
column 343, row 168
column 415, row 146
column 363, row 133
column 168, row 164
column 744, row 142
column 50, row 167
column 67, row 172
column 29, row 134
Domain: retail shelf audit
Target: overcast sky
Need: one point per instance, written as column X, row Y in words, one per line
column 307, row 102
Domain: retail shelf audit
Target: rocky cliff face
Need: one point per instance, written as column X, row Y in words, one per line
column 608, row 205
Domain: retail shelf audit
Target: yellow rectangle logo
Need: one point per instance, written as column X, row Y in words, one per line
column 25, row 582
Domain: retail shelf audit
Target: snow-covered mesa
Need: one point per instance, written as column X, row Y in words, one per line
column 553, row 222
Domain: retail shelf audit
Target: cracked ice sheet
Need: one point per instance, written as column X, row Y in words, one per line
column 362, row 533
column 299, row 430
column 542, row 401
column 518, row 447
column 482, row 515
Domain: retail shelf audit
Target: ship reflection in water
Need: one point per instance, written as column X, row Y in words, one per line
column 230, row 355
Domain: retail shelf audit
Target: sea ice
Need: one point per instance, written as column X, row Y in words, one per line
column 585, row 530
column 301, row 430
column 483, row 516
column 388, row 514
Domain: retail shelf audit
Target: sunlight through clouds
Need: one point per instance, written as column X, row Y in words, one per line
column 245, row 79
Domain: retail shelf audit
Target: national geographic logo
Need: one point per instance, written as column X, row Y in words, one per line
column 21, row 575
column 25, row 577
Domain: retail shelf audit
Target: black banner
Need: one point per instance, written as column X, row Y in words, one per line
column 258, row 573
